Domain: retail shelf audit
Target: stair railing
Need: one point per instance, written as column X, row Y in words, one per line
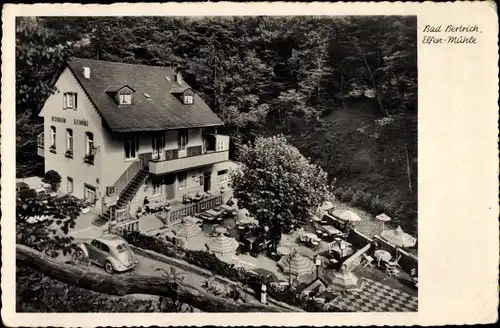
column 130, row 173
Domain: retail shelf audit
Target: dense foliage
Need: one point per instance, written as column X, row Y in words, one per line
column 278, row 186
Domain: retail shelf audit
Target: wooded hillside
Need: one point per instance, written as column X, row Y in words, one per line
column 343, row 90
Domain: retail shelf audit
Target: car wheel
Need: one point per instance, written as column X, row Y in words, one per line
column 108, row 267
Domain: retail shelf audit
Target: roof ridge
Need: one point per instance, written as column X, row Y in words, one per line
column 118, row 63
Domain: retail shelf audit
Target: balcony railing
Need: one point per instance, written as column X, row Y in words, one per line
column 183, row 163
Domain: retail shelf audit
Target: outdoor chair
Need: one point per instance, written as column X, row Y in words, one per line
column 395, row 262
column 367, row 260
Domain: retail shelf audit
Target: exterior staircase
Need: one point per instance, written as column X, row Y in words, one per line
column 127, row 186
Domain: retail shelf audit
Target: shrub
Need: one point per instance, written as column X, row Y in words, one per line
column 53, row 178
column 347, row 195
column 338, row 193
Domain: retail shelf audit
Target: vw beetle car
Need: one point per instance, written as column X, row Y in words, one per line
column 109, row 251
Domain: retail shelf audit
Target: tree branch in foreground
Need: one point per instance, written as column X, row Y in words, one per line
column 125, row 285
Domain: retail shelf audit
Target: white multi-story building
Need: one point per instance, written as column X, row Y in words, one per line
column 117, row 133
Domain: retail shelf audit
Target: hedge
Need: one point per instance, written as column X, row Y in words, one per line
column 210, row 262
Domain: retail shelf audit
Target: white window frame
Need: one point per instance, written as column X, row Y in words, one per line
column 220, row 144
column 223, row 178
column 53, row 136
column 70, row 183
column 188, row 99
column 184, row 139
column 125, row 98
column 132, row 144
column 182, row 182
column 89, row 190
column 69, row 100
column 69, row 140
column 89, row 143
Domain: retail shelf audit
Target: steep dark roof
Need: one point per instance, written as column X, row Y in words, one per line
column 162, row 111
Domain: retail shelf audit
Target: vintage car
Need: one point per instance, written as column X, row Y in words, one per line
column 109, row 251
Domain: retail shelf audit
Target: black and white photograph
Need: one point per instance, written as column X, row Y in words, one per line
column 195, row 164
column 216, row 164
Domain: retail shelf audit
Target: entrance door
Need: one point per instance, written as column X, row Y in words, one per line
column 170, row 186
column 158, row 146
column 206, row 182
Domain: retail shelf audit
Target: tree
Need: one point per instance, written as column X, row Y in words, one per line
column 278, row 186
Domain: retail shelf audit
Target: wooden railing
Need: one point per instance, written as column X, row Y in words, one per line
column 119, row 214
column 122, row 227
column 176, row 216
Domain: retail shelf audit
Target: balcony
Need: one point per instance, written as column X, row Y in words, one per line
column 40, row 144
column 193, row 160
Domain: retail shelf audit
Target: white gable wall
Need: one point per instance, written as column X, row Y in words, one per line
column 82, row 173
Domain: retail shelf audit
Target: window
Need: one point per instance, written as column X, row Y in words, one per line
column 223, row 176
column 96, row 244
column 89, row 193
column 125, row 98
column 131, row 147
column 157, row 187
column 188, row 99
column 182, row 139
column 70, row 185
column 69, row 142
column 70, row 100
column 53, row 138
column 182, row 180
column 89, row 143
column 104, row 248
column 220, row 144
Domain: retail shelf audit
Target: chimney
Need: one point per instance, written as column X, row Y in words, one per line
column 86, row 72
column 178, row 78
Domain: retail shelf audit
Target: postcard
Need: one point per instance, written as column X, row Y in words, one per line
column 197, row 163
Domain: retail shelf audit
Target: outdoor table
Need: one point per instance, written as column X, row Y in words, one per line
column 283, row 250
column 331, row 230
column 214, row 213
column 335, row 247
column 382, row 255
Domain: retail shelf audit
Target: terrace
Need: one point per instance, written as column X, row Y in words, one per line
column 377, row 280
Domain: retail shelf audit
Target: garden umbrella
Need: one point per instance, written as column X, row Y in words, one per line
column 399, row 238
column 383, row 218
column 349, row 216
column 344, row 280
column 187, row 229
column 222, row 245
column 296, row 264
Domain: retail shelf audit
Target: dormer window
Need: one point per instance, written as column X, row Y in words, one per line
column 123, row 94
column 188, row 99
column 125, row 98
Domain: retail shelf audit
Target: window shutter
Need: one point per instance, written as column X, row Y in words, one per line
column 76, row 100
column 65, row 97
column 136, row 143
